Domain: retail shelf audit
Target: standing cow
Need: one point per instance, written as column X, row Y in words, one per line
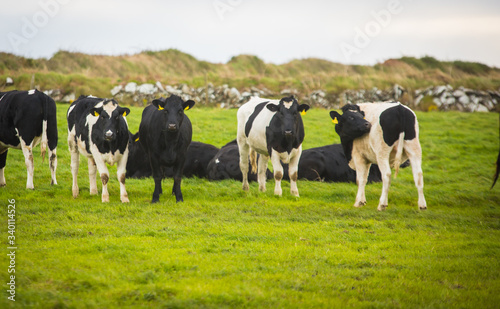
column 388, row 136
column 97, row 128
column 165, row 133
column 273, row 129
column 26, row 119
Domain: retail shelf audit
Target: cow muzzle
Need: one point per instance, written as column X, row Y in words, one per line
column 108, row 135
column 288, row 133
column 172, row 127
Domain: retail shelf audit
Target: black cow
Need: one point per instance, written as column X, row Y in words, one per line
column 97, row 128
column 165, row 133
column 329, row 164
column 197, row 158
column 26, row 119
column 272, row 129
column 226, row 165
column 495, row 178
column 388, row 135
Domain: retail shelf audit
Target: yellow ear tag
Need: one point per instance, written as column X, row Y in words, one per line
column 303, row 113
column 160, row 108
column 137, row 139
column 334, row 120
column 96, row 114
column 124, row 114
column 187, row 107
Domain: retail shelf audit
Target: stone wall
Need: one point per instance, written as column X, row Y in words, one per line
column 443, row 98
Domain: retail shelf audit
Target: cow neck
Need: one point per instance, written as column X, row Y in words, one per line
column 347, row 144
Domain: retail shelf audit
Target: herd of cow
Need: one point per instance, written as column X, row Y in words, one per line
column 374, row 139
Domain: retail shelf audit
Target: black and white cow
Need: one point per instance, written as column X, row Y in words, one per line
column 272, row 129
column 97, row 128
column 197, row 158
column 165, row 133
column 26, row 119
column 381, row 133
column 226, row 165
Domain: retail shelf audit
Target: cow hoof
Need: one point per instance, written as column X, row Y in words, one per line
column 155, row 200
column 52, row 183
column 422, row 207
column 93, row 192
column 360, row 204
column 381, row 207
column 30, row 188
column 2, row 185
column 263, row 189
column 124, row 199
column 105, row 199
column 246, row 187
column 295, row 193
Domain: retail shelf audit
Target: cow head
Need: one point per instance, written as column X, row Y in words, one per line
column 351, row 124
column 288, row 113
column 172, row 109
column 109, row 116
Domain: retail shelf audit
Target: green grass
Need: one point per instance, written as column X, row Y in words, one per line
column 223, row 247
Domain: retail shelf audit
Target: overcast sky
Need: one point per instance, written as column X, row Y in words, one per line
column 350, row 32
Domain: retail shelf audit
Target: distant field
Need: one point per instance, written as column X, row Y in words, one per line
column 78, row 73
column 224, row 247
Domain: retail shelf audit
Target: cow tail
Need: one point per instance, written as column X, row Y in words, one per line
column 43, row 143
column 399, row 153
column 253, row 161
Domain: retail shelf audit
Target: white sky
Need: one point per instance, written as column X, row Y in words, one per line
column 350, row 32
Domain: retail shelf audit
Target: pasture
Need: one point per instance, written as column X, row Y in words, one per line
column 224, row 247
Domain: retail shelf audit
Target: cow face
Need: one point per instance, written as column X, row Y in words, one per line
column 172, row 109
column 351, row 124
column 109, row 116
column 288, row 113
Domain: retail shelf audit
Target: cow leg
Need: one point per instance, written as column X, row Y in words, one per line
column 28, row 160
column 121, row 170
column 157, row 176
column 92, row 176
column 3, row 161
column 53, row 165
column 277, row 171
column 176, row 189
column 261, row 173
column 414, row 152
column 362, row 170
column 244, row 149
column 104, row 173
column 385, row 171
column 293, row 168
column 75, row 162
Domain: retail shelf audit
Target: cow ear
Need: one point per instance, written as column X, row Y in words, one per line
column 303, row 108
column 188, row 105
column 335, row 116
column 272, row 107
column 124, row 111
column 159, row 104
column 96, row 111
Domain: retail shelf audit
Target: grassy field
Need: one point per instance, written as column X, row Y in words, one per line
column 223, row 247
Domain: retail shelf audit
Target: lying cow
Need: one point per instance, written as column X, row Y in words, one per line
column 328, row 163
column 225, row 165
column 387, row 136
column 272, row 129
column 28, row 118
column 197, row 158
column 165, row 133
column 97, row 128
